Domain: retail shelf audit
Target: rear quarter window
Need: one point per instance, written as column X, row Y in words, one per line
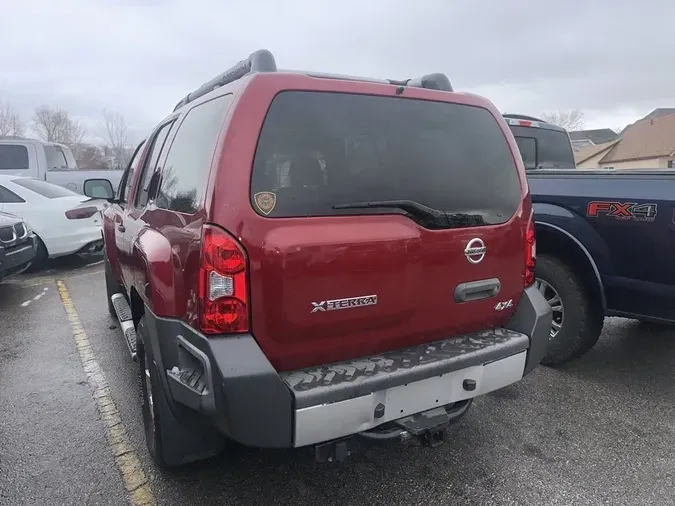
column 317, row 150
column 188, row 161
column 56, row 158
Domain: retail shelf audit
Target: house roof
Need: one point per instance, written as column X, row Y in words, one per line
column 590, row 151
column 651, row 137
column 598, row 136
column 662, row 111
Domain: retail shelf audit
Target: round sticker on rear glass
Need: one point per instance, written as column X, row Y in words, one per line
column 265, row 202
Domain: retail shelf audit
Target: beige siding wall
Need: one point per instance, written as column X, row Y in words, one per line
column 651, row 163
column 592, row 162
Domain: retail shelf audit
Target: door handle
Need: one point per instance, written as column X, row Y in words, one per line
column 121, row 228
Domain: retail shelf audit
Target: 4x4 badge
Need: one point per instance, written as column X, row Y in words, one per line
column 265, row 202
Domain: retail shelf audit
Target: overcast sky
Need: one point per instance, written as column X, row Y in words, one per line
column 612, row 59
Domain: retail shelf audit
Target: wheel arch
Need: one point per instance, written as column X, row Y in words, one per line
column 555, row 241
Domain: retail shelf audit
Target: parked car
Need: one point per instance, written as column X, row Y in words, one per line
column 65, row 222
column 308, row 260
column 49, row 162
column 604, row 239
column 18, row 246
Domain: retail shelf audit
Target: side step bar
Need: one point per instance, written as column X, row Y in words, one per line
column 123, row 311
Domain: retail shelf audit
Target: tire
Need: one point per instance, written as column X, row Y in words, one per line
column 170, row 443
column 111, row 287
column 41, row 256
column 579, row 322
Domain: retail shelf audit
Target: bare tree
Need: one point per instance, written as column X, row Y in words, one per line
column 91, row 157
column 10, row 122
column 56, row 125
column 115, row 134
column 569, row 120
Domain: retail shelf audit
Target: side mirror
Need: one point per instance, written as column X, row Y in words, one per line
column 99, row 189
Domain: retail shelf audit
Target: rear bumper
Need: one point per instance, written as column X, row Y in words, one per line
column 17, row 259
column 229, row 383
column 78, row 240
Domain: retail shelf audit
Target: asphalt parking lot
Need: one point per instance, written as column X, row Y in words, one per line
column 598, row 431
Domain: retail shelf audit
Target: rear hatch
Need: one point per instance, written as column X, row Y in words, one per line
column 369, row 205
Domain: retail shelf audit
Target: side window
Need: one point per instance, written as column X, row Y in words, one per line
column 128, row 179
column 188, row 161
column 150, row 164
column 56, row 159
column 13, row 157
column 9, row 197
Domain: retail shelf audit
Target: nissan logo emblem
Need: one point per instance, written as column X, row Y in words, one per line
column 475, row 251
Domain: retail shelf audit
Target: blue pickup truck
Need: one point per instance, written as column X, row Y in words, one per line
column 605, row 239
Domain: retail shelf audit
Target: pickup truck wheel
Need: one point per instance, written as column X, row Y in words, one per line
column 576, row 324
column 169, row 442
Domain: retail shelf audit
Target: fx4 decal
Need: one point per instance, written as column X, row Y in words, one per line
column 622, row 210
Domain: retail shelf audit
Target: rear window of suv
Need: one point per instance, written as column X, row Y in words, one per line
column 318, row 150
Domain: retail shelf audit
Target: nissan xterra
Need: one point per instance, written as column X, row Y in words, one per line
column 311, row 260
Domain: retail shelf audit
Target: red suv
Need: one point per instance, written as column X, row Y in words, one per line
column 310, row 260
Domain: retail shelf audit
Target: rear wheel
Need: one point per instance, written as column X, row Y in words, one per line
column 169, row 442
column 577, row 323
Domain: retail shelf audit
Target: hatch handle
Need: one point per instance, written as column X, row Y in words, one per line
column 477, row 290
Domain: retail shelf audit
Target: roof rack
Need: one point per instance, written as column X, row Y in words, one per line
column 259, row 61
column 263, row 61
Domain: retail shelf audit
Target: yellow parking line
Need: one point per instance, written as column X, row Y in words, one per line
column 46, row 280
column 126, row 459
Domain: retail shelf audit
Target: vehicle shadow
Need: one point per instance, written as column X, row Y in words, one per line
column 631, row 355
column 250, row 476
column 64, row 264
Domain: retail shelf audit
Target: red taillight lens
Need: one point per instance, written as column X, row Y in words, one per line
column 530, row 253
column 81, row 213
column 223, row 295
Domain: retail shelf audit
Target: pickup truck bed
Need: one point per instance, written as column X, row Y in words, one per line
column 614, row 230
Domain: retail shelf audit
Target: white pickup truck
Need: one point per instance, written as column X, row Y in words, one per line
column 50, row 162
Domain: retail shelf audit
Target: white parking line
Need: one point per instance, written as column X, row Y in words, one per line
column 37, row 297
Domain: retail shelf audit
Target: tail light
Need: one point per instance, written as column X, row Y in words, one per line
column 530, row 252
column 80, row 213
column 223, row 295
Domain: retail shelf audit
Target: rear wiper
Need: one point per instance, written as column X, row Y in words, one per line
column 434, row 217
column 409, row 206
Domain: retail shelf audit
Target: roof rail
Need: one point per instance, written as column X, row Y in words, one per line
column 258, row 61
column 263, row 61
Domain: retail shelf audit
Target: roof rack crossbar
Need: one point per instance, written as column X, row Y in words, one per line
column 258, row 61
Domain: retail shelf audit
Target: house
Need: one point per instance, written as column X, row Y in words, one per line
column 583, row 138
column 648, row 143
